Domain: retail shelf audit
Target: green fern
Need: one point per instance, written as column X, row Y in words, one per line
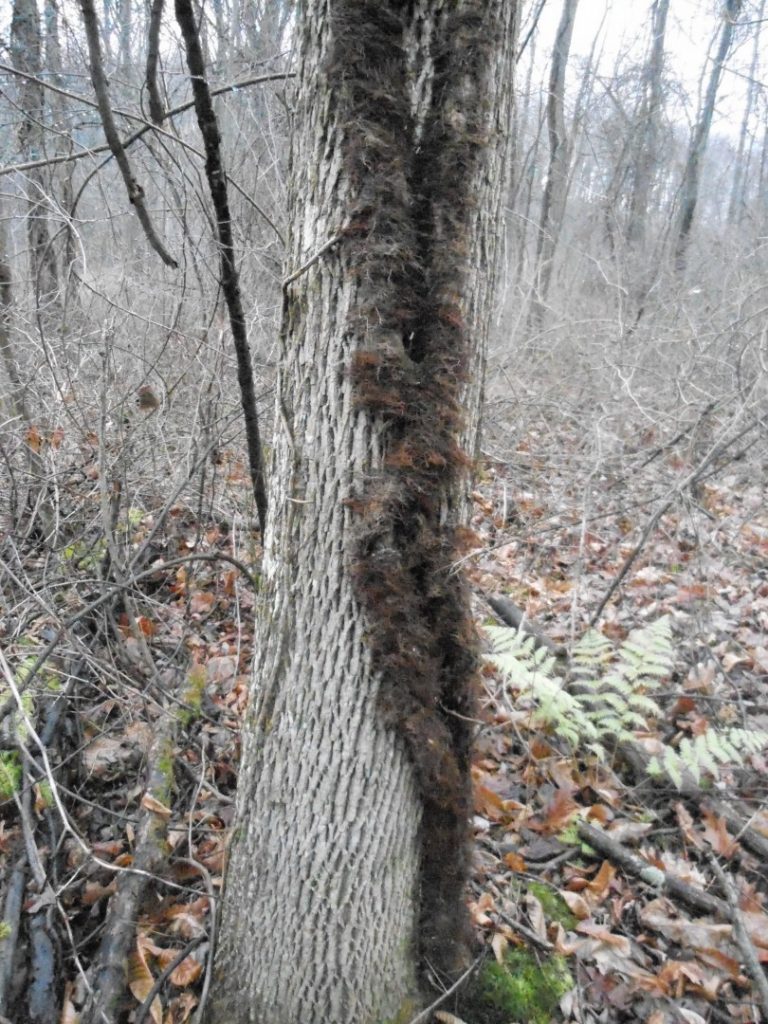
column 614, row 698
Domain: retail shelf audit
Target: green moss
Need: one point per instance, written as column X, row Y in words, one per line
column 5, row 930
column 191, row 696
column 10, row 774
column 49, row 678
column 525, row 989
column 164, row 791
column 552, row 903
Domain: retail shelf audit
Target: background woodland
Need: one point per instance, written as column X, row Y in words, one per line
column 621, row 478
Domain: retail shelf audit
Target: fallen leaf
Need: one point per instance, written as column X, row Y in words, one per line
column 717, row 835
column 141, row 980
column 151, row 803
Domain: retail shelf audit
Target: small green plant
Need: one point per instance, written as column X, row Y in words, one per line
column 10, row 774
column 524, row 989
column 612, row 698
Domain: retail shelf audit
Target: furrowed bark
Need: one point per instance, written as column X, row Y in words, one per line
column 346, row 877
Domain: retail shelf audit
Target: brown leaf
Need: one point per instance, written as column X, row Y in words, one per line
column 141, row 980
column 558, row 812
column 151, row 803
column 499, row 944
column 692, row 934
column 577, row 905
column 514, row 861
column 187, row 971
column 94, row 891
column 146, row 625
column 687, row 827
column 601, row 882
column 717, row 835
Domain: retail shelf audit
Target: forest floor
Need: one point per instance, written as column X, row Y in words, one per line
column 168, row 674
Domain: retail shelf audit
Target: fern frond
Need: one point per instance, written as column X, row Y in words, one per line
column 614, row 700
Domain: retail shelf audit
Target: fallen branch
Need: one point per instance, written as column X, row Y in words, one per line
column 696, row 899
column 119, row 937
column 14, row 898
column 741, row 935
column 515, row 617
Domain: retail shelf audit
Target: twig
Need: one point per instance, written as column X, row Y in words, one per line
column 311, row 261
column 164, row 975
column 423, row 1017
column 230, row 281
column 741, row 934
column 212, row 935
column 146, row 127
column 693, row 478
column 696, row 899
column 525, row 931
column 101, row 88
column 67, row 825
column 113, row 589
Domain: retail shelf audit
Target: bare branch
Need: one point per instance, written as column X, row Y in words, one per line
column 156, row 106
column 101, row 88
column 230, row 280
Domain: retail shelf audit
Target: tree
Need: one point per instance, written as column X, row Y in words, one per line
column 646, row 155
column 346, row 879
column 556, row 187
column 27, row 59
column 689, row 188
column 737, row 203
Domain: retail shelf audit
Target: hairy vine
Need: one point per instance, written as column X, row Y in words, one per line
column 407, row 240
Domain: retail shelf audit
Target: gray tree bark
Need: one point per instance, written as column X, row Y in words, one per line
column 324, row 916
column 26, row 56
column 737, row 204
column 646, row 156
column 555, row 189
column 689, row 189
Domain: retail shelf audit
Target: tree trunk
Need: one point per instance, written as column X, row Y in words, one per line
column 553, row 202
column 347, row 870
column 689, row 188
column 737, row 203
column 646, row 156
column 26, row 56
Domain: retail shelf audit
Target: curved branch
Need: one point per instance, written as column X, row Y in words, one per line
column 101, row 88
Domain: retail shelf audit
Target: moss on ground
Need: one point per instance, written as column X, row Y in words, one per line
column 525, row 989
column 191, row 696
column 10, row 774
column 552, row 903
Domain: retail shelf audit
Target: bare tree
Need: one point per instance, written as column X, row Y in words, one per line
column 555, row 189
column 737, row 202
column 26, row 55
column 689, row 189
column 645, row 147
column 354, row 792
